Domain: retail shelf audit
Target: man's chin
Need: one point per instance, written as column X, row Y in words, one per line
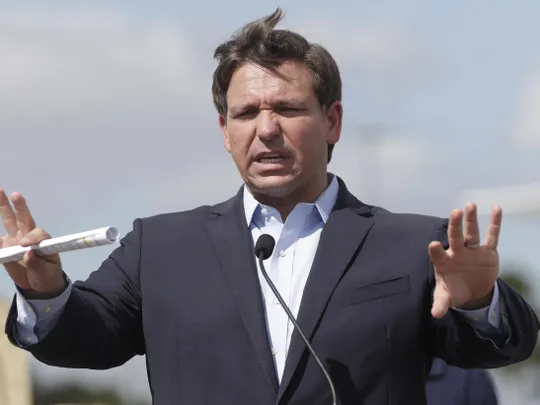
column 273, row 186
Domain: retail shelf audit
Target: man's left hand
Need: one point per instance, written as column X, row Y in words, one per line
column 465, row 273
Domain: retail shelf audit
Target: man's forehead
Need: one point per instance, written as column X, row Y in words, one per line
column 292, row 70
column 289, row 82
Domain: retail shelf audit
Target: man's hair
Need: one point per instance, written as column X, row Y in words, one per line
column 261, row 44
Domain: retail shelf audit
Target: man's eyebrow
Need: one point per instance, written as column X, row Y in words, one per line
column 240, row 108
column 291, row 103
column 237, row 109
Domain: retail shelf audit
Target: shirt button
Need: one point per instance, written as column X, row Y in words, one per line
column 274, row 351
column 276, row 301
column 29, row 339
column 264, row 211
column 48, row 309
column 282, row 253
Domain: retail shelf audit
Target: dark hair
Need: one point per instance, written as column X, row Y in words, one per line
column 261, row 44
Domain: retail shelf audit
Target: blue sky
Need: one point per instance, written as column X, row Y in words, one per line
column 106, row 115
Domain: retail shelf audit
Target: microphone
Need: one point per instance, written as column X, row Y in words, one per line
column 263, row 250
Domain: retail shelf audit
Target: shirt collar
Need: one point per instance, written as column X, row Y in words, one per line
column 325, row 203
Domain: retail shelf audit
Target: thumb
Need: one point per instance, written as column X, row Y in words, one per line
column 441, row 300
column 437, row 253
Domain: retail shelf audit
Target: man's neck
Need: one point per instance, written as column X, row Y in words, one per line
column 284, row 205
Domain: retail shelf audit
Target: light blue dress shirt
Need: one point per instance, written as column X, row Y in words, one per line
column 288, row 267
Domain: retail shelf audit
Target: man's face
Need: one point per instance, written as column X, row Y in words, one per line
column 276, row 130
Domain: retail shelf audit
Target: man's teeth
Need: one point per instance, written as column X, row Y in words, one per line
column 271, row 159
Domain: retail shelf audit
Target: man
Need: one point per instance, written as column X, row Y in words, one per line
column 447, row 385
column 378, row 294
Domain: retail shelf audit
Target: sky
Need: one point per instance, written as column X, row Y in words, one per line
column 106, row 113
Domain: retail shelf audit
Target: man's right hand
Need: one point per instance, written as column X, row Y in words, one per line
column 39, row 277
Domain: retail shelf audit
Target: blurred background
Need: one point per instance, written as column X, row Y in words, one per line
column 106, row 115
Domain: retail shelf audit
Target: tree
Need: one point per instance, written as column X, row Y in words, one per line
column 76, row 393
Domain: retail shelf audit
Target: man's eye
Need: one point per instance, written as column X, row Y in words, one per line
column 289, row 110
column 246, row 113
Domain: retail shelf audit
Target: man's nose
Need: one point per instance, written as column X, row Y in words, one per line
column 268, row 126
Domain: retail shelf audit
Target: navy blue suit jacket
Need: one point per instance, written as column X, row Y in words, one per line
column 448, row 385
column 183, row 290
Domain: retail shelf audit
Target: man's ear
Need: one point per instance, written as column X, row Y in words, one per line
column 334, row 119
column 223, row 126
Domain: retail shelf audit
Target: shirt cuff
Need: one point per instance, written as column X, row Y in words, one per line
column 47, row 308
column 485, row 318
column 35, row 317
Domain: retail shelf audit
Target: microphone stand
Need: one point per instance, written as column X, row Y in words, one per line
column 291, row 317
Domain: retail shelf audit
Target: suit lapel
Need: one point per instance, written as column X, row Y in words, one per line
column 340, row 240
column 233, row 244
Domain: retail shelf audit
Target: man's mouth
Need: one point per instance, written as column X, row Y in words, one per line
column 270, row 158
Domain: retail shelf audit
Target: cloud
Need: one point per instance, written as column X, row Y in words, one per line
column 92, row 98
column 385, row 51
column 527, row 128
column 81, row 62
column 391, row 169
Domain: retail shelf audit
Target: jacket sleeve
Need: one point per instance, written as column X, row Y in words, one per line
column 459, row 343
column 100, row 325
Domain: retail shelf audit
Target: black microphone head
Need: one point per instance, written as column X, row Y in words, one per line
column 264, row 246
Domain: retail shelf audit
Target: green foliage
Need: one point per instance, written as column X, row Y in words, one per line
column 517, row 281
column 77, row 394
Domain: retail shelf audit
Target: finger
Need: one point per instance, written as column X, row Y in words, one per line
column 437, row 253
column 33, row 259
column 494, row 228
column 9, row 220
column 34, row 237
column 441, row 301
column 25, row 222
column 472, row 231
column 455, row 230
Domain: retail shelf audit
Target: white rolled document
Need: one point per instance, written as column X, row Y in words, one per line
column 82, row 240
